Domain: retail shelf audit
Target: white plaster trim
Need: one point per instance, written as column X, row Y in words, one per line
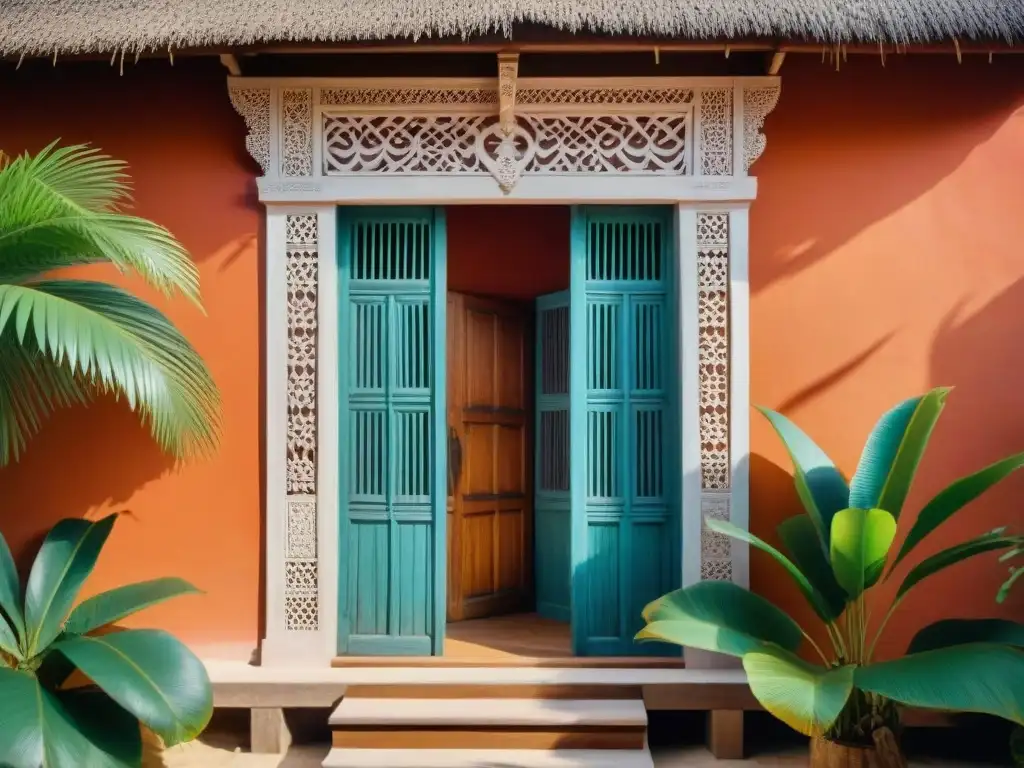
column 328, row 398
column 739, row 388
column 454, row 189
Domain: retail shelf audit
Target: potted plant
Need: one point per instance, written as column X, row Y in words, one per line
column 74, row 691
column 838, row 550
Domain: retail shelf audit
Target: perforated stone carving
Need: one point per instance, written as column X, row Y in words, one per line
column 301, row 596
column 716, row 548
column 440, row 96
column 716, row 132
column 598, row 95
column 713, row 314
column 253, row 104
column 536, row 144
column 757, row 105
column 297, row 132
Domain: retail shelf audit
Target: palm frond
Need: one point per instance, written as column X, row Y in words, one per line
column 97, row 337
column 60, row 208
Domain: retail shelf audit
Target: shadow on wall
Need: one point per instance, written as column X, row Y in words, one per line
column 847, row 149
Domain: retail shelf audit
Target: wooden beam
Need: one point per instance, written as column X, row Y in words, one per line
column 776, row 62
column 725, row 734
column 230, row 62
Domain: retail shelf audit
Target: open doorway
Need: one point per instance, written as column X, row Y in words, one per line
column 501, row 259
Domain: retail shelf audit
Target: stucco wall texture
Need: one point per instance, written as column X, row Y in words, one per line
column 885, row 258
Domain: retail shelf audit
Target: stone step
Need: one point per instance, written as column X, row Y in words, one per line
column 487, row 758
column 392, row 712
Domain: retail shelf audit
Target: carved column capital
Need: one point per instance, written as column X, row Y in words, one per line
column 758, row 102
column 253, row 104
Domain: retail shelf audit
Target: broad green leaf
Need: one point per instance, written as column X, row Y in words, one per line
column 801, row 540
column 816, row 601
column 63, row 730
column 116, row 604
column 8, row 641
column 719, row 616
column 950, row 632
column 821, row 486
column 10, row 590
column 861, row 539
column 806, row 697
column 953, row 498
column 979, row 677
column 150, row 674
column 988, row 542
column 64, row 562
column 893, row 451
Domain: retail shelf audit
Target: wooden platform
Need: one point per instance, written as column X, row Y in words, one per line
column 518, row 640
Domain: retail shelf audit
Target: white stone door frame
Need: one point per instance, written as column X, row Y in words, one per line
column 685, row 142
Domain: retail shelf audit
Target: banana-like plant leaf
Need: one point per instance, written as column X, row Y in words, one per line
column 116, row 604
column 989, row 680
column 820, row 486
column 806, row 697
column 719, row 616
column 801, row 540
column 63, row 730
column 861, row 539
column 816, row 601
column 10, row 590
column 953, row 498
column 8, row 641
column 893, row 451
column 65, row 560
column 950, row 632
column 988, row 542
column 150, row 674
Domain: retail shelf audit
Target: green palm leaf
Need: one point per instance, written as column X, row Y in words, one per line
column 115, row 604
column 719, row 616
column 821, row 486
column 150, row 674
column 64, row 562
column 893, row 451
column 816, row 601
column 60, row 208
column 988, row 542
column 10, row 589
column 988, row 679
column 66, row 729
column 861, row 539
column 953, row 498
column 807, row 697
column 120, row 344
column 801, row 541
column 950, row 632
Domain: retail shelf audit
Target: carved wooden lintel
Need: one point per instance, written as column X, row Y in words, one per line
column 508, row 71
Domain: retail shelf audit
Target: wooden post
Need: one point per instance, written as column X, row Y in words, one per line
column 725, row 733
column 268, row 731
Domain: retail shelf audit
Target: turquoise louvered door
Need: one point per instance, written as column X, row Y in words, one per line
column 626, row 544
column 392, row 389
column 551, row 498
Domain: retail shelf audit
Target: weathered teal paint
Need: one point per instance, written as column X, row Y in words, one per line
column 551, row 475
column 392, row 274
column 626, row 530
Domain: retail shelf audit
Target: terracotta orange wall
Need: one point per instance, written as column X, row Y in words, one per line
column 886, row 258
column 185, row 147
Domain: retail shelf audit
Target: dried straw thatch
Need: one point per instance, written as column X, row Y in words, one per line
column 47, row 27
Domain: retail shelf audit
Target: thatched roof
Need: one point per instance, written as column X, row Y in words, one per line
column 45, row 27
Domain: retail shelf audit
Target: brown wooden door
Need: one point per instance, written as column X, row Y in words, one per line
column 490, row 515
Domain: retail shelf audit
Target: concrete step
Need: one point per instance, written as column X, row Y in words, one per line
column 487, row 758
column 492, row 691
column 488, row 712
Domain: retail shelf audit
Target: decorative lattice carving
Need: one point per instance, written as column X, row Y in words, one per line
column 599, row 96
column 715, row 548
column 716, row 132
column 757, row 104
column 713, row 313
column 440, row 96
column 537, row 144
column 253, row 104
column 301, row 596
column 297, row 132
column 301, row 543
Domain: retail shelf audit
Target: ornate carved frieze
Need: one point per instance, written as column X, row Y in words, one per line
column 713, row 322
column 301, row 589
column 506, row 127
